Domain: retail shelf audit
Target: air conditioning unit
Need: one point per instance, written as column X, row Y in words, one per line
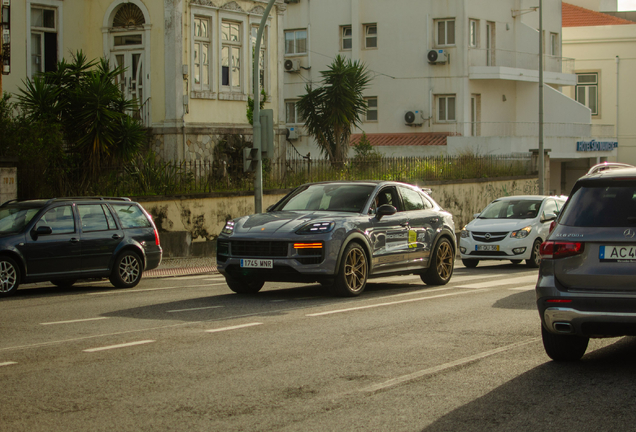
column 437, row 56
column 292, row 65
column 292, row 134
column 414, row 118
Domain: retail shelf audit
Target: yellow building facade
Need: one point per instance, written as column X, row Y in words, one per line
column 188, row 62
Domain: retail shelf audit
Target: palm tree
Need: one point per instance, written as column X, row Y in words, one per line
column 331, row 111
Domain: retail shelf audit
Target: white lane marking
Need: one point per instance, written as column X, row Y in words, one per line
column 234, row 327
column 433, row 370
column 524, row 288
column 513, row 281
column 387, row 304
column 126, row 291
column 9, row 363
column 74, row 321
column 124, row 345
column 193, row 309
column 180, row 278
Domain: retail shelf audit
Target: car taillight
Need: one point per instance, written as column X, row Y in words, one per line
column 552, row 226
column 560, row 249
column 156, row 237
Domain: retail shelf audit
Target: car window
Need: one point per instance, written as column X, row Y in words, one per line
column 602, row 206
column 14, row 219
column 331, row 197
column 411, row 199
column 427, row 203
column 92, row 217
column 59, row 219
column 109, row 217
column 387, row 195
column 131, row 216
column 511, row 209
column 550, row 207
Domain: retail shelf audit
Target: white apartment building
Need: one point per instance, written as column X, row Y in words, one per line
column 480, row 94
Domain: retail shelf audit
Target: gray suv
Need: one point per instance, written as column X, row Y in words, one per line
column 587, row 279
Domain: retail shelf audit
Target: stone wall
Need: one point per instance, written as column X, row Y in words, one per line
column 189, row 225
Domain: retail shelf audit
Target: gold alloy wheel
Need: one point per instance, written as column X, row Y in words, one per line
column 355, row 270
column 445, row 260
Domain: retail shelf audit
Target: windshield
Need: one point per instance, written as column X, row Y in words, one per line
column 14, row 219
column 327, row 197
column 511, row 209
column 602, row 206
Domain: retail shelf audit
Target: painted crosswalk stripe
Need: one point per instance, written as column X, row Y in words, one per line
column 236, row 327
column 124, row 345
column 9, row 363
column 193, row 309
column 74, row 321
column 491, row 284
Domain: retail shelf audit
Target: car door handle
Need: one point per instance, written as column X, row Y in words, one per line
column 404, row 224
column 116, row 236
column 74, row 240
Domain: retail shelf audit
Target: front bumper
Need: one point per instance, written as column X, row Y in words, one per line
column 509, row 249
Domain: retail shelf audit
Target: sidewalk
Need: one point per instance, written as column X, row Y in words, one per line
column 183, row 266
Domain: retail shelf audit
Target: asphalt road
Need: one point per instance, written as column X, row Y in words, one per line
column 186, row 354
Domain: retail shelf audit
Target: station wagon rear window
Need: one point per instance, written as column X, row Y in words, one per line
column 131, row 216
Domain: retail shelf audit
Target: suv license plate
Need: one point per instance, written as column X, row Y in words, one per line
column 257, row 263
column 625, row 254
column 487, row 248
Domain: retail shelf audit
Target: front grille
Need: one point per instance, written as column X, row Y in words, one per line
column 222, row 250
column 258, row 249
column 494, row 236
column 489, row 253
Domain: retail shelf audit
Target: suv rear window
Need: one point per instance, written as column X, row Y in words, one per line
column 131, row 216
column 602, row 206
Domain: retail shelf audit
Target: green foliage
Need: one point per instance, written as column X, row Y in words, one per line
column 331, row 111
column 250, row 105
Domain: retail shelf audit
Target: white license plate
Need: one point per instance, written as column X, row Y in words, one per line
column 487, row 248
column 625, row 254
column 257, row 263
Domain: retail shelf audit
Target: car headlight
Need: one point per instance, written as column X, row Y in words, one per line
column 228, row 228
column 465, row 233
column 317, row 228
column 522, row 233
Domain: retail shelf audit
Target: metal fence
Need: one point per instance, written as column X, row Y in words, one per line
column 202, row 177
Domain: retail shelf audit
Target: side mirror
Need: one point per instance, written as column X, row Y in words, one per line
column 385, row 210
column 547, row 217
column 476, row 215
column 41, row 230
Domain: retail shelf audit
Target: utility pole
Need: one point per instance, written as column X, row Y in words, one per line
column 258, row 177
column 541, row 151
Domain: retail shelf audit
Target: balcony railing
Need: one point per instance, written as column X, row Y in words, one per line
column 520, row 60
column 527, row 129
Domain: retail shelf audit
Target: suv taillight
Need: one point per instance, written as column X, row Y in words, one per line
column 560, row 249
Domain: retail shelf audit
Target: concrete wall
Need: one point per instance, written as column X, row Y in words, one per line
column 189, row 226
column 8, row 184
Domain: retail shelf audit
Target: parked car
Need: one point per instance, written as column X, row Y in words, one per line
column 340, row 234
column 65, row 239
column 586, row 286
column 510, row 228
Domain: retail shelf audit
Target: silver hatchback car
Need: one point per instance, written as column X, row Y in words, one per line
column 587, row 278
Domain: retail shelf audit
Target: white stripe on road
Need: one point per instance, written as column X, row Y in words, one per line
column 124, row 345
column 433, row 370
column 514, row 281
column 388, row 304
column 524, row 288
column 234, row 327
column 193, row 309
column 8, row 363
column 74, row 321
column 126, row 291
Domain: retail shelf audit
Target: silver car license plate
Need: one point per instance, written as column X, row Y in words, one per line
column 257, row 263
column 487, row 248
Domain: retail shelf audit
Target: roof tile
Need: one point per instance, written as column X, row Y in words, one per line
column 576, row 16
column 404, row 139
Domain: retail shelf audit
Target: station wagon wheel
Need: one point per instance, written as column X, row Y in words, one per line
column 441, row 264
column 127, row 270
column 9, row 277
column 535, row 256
column 244, row 286
column 352, row 275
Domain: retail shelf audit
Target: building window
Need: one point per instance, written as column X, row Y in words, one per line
column 346, row 38
column 231, row 45
column 372, row 109
column 446, row 32
column 262, row 61
column 587, row 90
column 202, row 54
column 296, row 42
column 370, row 36
column 43, row 40
column 292, row 114
column 554, row 44
column 473, row 33
column 446, row 108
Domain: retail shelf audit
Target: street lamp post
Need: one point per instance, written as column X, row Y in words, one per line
column 541, row 151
